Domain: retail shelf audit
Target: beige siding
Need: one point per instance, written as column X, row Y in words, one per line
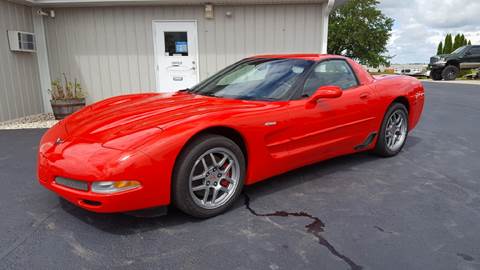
column 110, row 49
column 20, row 93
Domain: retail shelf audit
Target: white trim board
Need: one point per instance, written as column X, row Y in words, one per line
column 79, row 3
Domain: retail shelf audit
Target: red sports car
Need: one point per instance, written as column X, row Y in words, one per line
column 198, row 147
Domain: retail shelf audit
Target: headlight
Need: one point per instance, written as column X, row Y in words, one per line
column 107, row 187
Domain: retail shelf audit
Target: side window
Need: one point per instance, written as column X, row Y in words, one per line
column 331, row 72
column 475, row 50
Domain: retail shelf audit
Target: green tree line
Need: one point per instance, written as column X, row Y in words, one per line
column 451, row 44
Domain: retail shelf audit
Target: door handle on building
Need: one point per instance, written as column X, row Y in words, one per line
column 174, row 66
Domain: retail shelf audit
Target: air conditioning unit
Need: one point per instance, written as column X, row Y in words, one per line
column 21, row 41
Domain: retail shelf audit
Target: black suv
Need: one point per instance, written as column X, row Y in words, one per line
column 447, row 66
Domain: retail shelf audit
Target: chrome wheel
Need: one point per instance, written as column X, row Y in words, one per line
column 214, row 178
column 396, row 130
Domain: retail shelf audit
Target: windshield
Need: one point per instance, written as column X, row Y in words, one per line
column 459, row 50
column 255, row 79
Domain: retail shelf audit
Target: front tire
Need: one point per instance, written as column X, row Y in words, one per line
column 208, row 176
column 450, row 73
column 393, row 132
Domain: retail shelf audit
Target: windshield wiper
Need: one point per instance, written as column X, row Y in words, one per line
column 208, row 94
column 185, row 90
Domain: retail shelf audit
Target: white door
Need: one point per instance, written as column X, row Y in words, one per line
column 176, row 55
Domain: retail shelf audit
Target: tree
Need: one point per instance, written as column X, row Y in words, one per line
column 457, row 43
column 448, row 45
column 359, row 30
column 440, row 48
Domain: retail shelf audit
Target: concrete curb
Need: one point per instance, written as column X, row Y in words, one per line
column 472, row 82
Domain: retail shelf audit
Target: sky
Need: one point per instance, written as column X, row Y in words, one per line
column 421, row 24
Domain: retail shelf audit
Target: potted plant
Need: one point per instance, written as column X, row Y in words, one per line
column 67, row 98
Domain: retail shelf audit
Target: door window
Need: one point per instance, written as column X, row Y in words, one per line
column 331, row 72
column 176, row 44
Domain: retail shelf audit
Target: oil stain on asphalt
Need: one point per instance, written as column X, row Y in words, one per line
column 466, row 257
column 316, row 227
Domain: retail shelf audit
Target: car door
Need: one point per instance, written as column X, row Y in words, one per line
column 332, row 126
column 472, row 58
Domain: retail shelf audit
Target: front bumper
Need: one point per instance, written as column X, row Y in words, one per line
column 437, row 65
column 91, row 162
column 101, row 203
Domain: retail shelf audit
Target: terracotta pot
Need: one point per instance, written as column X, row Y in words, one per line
column 64, row 107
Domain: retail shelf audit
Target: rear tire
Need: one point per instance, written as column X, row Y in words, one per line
column 393, row 132
column 450, row 73
column 208, row 176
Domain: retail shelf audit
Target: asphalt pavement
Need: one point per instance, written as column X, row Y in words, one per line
column 418, row 210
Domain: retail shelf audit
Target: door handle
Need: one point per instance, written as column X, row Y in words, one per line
column 365, row 95
column 177, row 66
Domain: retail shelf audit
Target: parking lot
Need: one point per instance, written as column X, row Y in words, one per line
column 418, row 210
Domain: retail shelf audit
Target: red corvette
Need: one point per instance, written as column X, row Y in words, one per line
column 198, row 147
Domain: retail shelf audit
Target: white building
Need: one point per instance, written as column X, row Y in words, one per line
column 116, row 47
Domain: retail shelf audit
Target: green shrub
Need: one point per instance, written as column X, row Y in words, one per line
column 465, row 72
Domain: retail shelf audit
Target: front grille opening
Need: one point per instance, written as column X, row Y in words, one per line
column 92, row 203
column 71, row 183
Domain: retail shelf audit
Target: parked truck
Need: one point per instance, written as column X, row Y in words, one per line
column 448, row 66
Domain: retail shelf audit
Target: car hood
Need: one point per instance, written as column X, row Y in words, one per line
column 123, row 115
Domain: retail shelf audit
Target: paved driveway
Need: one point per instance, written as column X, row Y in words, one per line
column 419, row 210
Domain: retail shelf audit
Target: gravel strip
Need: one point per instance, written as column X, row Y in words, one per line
column 44, row 120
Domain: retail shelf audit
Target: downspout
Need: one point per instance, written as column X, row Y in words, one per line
column 42, row 59
column 326, row 9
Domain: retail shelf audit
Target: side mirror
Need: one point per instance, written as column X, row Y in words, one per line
column 329, row 91
column 468, row 53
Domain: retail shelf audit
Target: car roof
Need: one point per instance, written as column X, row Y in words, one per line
column 362, row 75
column 305, row 56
